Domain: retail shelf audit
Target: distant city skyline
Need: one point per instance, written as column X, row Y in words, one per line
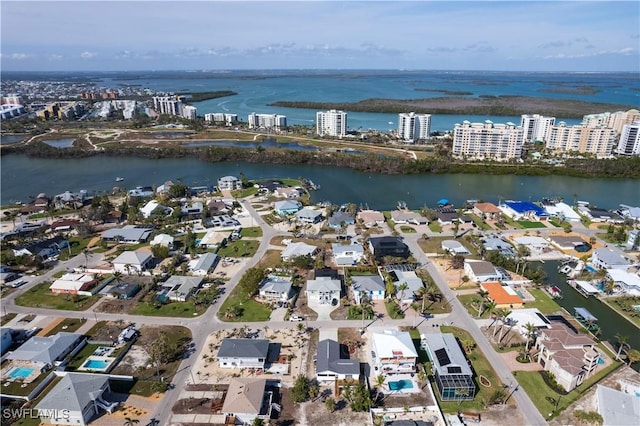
column 581, row 36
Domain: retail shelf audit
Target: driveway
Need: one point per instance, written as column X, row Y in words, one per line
column 323, row 310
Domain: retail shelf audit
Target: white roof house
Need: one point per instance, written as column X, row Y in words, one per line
column 324, row 289
column 605, row 258
column 309, row 215
column 294, row 250
column 394, row 351
column 453, row 246
column 537, row 243
column 563, row 211
column 213, row 238
column 203, row 264
column 347, row 254
column 74, row 283
column 148, row 208
column 628, row 282
column 163, row 240
column 520, row 317
column 617, row 408
column 130, row 262
column 229, row 183
column 275, row 287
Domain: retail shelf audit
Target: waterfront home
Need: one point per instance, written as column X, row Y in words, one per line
column 568, row 242
column 248, row 399
column 164, row 240
column 45, row 352
column 534, row 243
column 130, row 234
column 204, row 264
column 407, row 216
column 70, row 283
column 523, row 210
column 288, row 192
column 216, row 207
column 447, row 216
column 44, row 249
column 298, row 249
column 388, row 246
column 229, row 183
column 331, row 367
column 454, row 247
column 393, row 352
column 605, row 258
column 502, row 295
column 165, row 187
column 481, row 271
column 64, row 225
column 180, row 287
column 562, row 211
column 324, row 290
column 309, row 215
column 369, row 287
column 287, row 207
column 69, row 200
column 617, row 408
column 347, row 254
column 626, row 282
column 599, row 215
column 132, row 262
column 243, row 353
column 405, row 274
column 340, row 219
column 193, row 209
column 519, row 319
column 222, row 222
column 629, row 212
column 453, row 376
column 153, row 207
column 487, row 211
column 276, row 288
column 500, row 245
column 39, row 205
column 570, row 356
column 214, row 239
column 76, row 399
column 141, row 191
column 370, row 218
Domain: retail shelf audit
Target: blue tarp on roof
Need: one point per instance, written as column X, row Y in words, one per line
column 443, row 202
column 523, row 207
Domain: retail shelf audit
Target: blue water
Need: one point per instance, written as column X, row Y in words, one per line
column 590, row 269
column 258, row 89
column 20, row 373
column 96, row 364
column 11, row 139
column 400, row 384
column 60, row 143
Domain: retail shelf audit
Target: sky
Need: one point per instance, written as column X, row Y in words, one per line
column 584, row 36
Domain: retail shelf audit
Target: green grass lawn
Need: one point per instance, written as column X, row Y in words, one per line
column 393, row 309
column 248, row 309
column 68, row 325
column 543, row 397
column 246, row 192
column 408, row 229
column 387, row 217
column 6, row 318
column 511, row 222
column 484, row 226
column 171, row 309
column 482, row 368
column 240, row 248
column 624, row 306
column 543, row 302
column 471, row 302
column 252, row 232
column 435, row 226
column 527, row 224
column 77, row 245
column 432, row 245
column 77, row 361
column 33, row 420
column 40, row 297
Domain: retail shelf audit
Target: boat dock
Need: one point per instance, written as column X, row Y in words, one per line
column 587, row 319
column 584, row 287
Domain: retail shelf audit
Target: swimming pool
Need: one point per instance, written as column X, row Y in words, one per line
column 400, row 385
column 590, row 269
column 96, row 364
column 20, row 373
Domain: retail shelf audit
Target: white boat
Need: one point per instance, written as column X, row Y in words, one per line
column 119, row 179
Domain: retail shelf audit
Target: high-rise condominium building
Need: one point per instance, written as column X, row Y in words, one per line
column 630, row 139
column 221, row 117
column 582, row 138
column 487, row 140
column 413, row 127
column 615, row 120
column 170, row 105
column 267, row 121
column 331, row 123
column 189, row 112
column 536, row 127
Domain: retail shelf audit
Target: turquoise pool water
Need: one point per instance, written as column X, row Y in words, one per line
column 400, row 384
column 519, row 293
column 96, row 364
column 20, row 373
column 590, row 269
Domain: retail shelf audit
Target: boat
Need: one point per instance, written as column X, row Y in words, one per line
column 587, row 319
column 119, row 179
column 565, row 269
column 554, row 291
column 585, row 288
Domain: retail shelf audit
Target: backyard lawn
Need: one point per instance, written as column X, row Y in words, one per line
column 527, row 224
column 472, row 302
column 543, row 302
column 68, row 325
column 240, row 248
column 239, row 307
column 393, row 309
column 252, row 232
column 41, row 297
column 432, row 244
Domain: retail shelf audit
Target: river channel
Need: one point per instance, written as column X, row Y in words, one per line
column 610, row 322
column 23, row 177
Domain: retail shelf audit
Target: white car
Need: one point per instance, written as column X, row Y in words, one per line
column 295, row 318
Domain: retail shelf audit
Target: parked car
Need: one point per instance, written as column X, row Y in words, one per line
column 295, row 318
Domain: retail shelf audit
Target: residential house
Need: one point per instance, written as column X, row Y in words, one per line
column 570, row 356
column 248, row 399
column 204, row 264
column 562, row 211
column 165, row 187
column 288, row 192
column 617, row 408
column 39, row 205
column 405, row 274
column 407, row 216
column 369, row 287
column 450, row 367
column 568, row 242
column 629, row 212
column 243, row 353
column 447, row 215
column 324, row 290
column 534, row 243
column 500, row 245
column 481, row 271
column 141, row 191
column 347, row 254
column 46, row 352
column 340, row 219
column 229, row 183
column 487, row 211
column 164, row 240
column 330, row 366
column 388, row 246
column 604, row 258
column 599, row 215
column 216, row 207
column 222, row 222
column 132, row 262
column 393, row 352
column 193, row 209
column 276, row 288
column 130, row 234
column 214, row 239
column 76, row 399
column 523, row 210
column 123, row 290
column 627, row 282
column 371, row 218
column 287, row 207
column 180, row 287
column 298, row 249
column 309, row 215
column 454, row 247
column 44, row 249
column 64, row 225
column 153, row 207
column 71, row 283
column 502, row 295
column 519, row 318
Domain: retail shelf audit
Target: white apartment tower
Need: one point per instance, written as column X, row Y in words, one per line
column 629, row 139
column 331, row 123
column 536, row 127
column 167, row 105
column 413, row 127
column 189, row 112
column 582, row 138
column 487, row 140
column 267, row 121
column 615, row 120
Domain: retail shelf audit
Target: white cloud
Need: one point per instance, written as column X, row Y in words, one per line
column 627, row 51
column 88, row 55
column 16, row 56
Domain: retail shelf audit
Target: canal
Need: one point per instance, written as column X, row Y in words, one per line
column 611, row 323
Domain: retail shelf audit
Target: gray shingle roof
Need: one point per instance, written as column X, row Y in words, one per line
column 45, row 350
column 244, row 348
column 367, row 283
column 74, row 392
column 328, row 359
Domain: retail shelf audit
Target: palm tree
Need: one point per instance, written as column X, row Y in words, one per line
column 633, row 356
column 483, row 297
column 128, row 421
column 503, row 320
column 401, row 288
column 622, row 342
column 498, row 314
column 530, row 335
